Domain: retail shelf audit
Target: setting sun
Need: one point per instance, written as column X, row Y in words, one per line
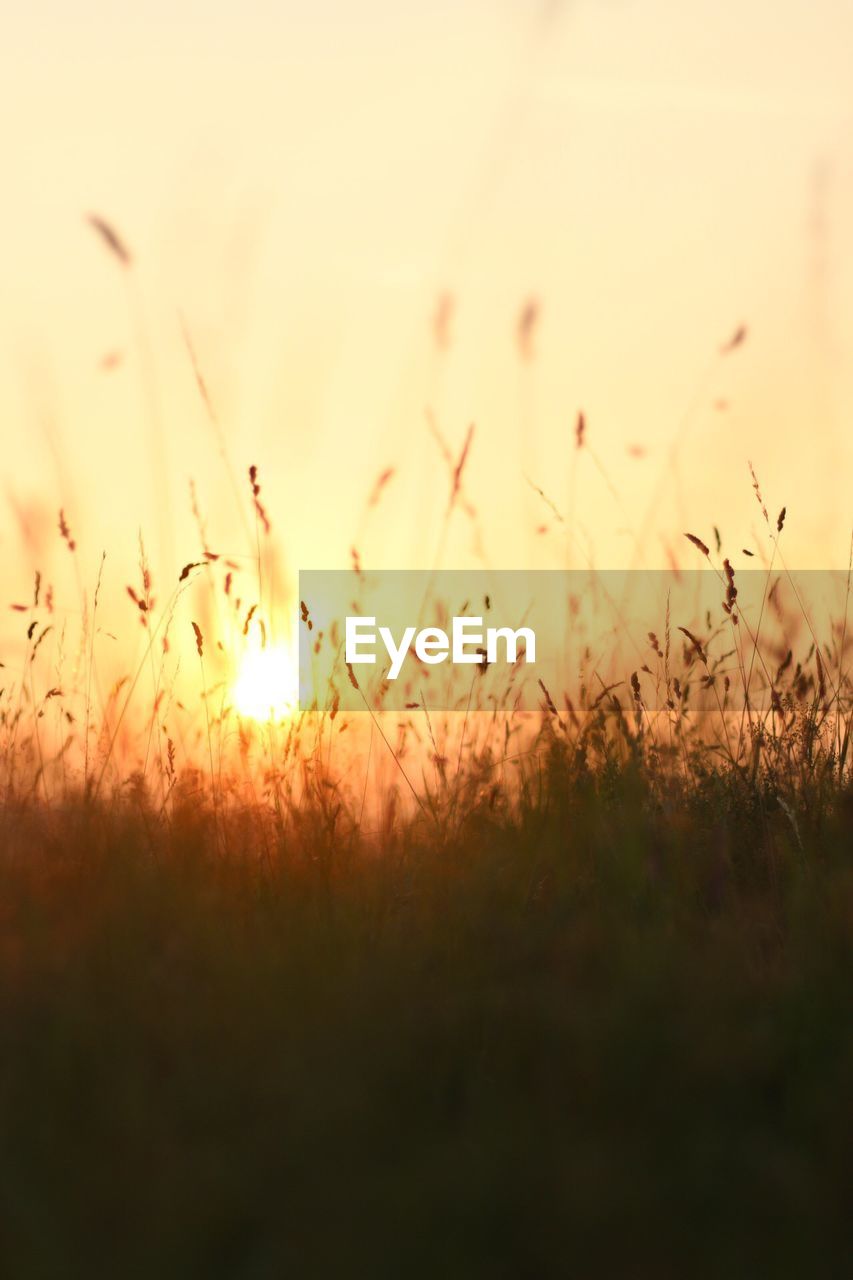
column 265, row 688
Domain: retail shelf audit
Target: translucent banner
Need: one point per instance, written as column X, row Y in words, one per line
column 517, row 641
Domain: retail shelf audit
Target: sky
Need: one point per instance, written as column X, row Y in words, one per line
column 299, row 183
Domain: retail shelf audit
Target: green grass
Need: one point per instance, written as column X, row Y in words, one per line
column 610, row 1036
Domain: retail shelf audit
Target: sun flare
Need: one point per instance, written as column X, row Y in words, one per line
column 266, row 685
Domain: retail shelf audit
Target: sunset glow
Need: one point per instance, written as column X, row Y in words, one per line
column 265, row 688
column 426, row 639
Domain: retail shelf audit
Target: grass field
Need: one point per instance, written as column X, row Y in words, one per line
column 610, row 1035
column 426, row 660
column 476, row 993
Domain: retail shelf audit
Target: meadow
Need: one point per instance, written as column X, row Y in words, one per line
column 474, row 992
column 526, row 321
column 545, row 974
column 608, row 1034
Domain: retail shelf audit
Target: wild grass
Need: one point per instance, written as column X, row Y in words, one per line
column 585, row 996
column 481, row 992
column 613, row 1027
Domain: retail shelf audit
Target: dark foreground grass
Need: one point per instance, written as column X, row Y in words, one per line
column 612, row 1038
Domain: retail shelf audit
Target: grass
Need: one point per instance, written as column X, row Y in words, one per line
column 483, row 994
column 605, row 1036
column 517, row 996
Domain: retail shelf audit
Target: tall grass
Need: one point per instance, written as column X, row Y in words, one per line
column 492, row 991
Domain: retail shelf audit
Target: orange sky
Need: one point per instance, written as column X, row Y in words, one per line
column 302, row 180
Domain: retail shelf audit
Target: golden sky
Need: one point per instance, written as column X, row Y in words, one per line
column 301, row 182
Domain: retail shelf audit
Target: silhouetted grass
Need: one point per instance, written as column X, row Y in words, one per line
column 356, row 993
column 609, row 1034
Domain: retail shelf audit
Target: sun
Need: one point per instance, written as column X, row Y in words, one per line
column 266, row 684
